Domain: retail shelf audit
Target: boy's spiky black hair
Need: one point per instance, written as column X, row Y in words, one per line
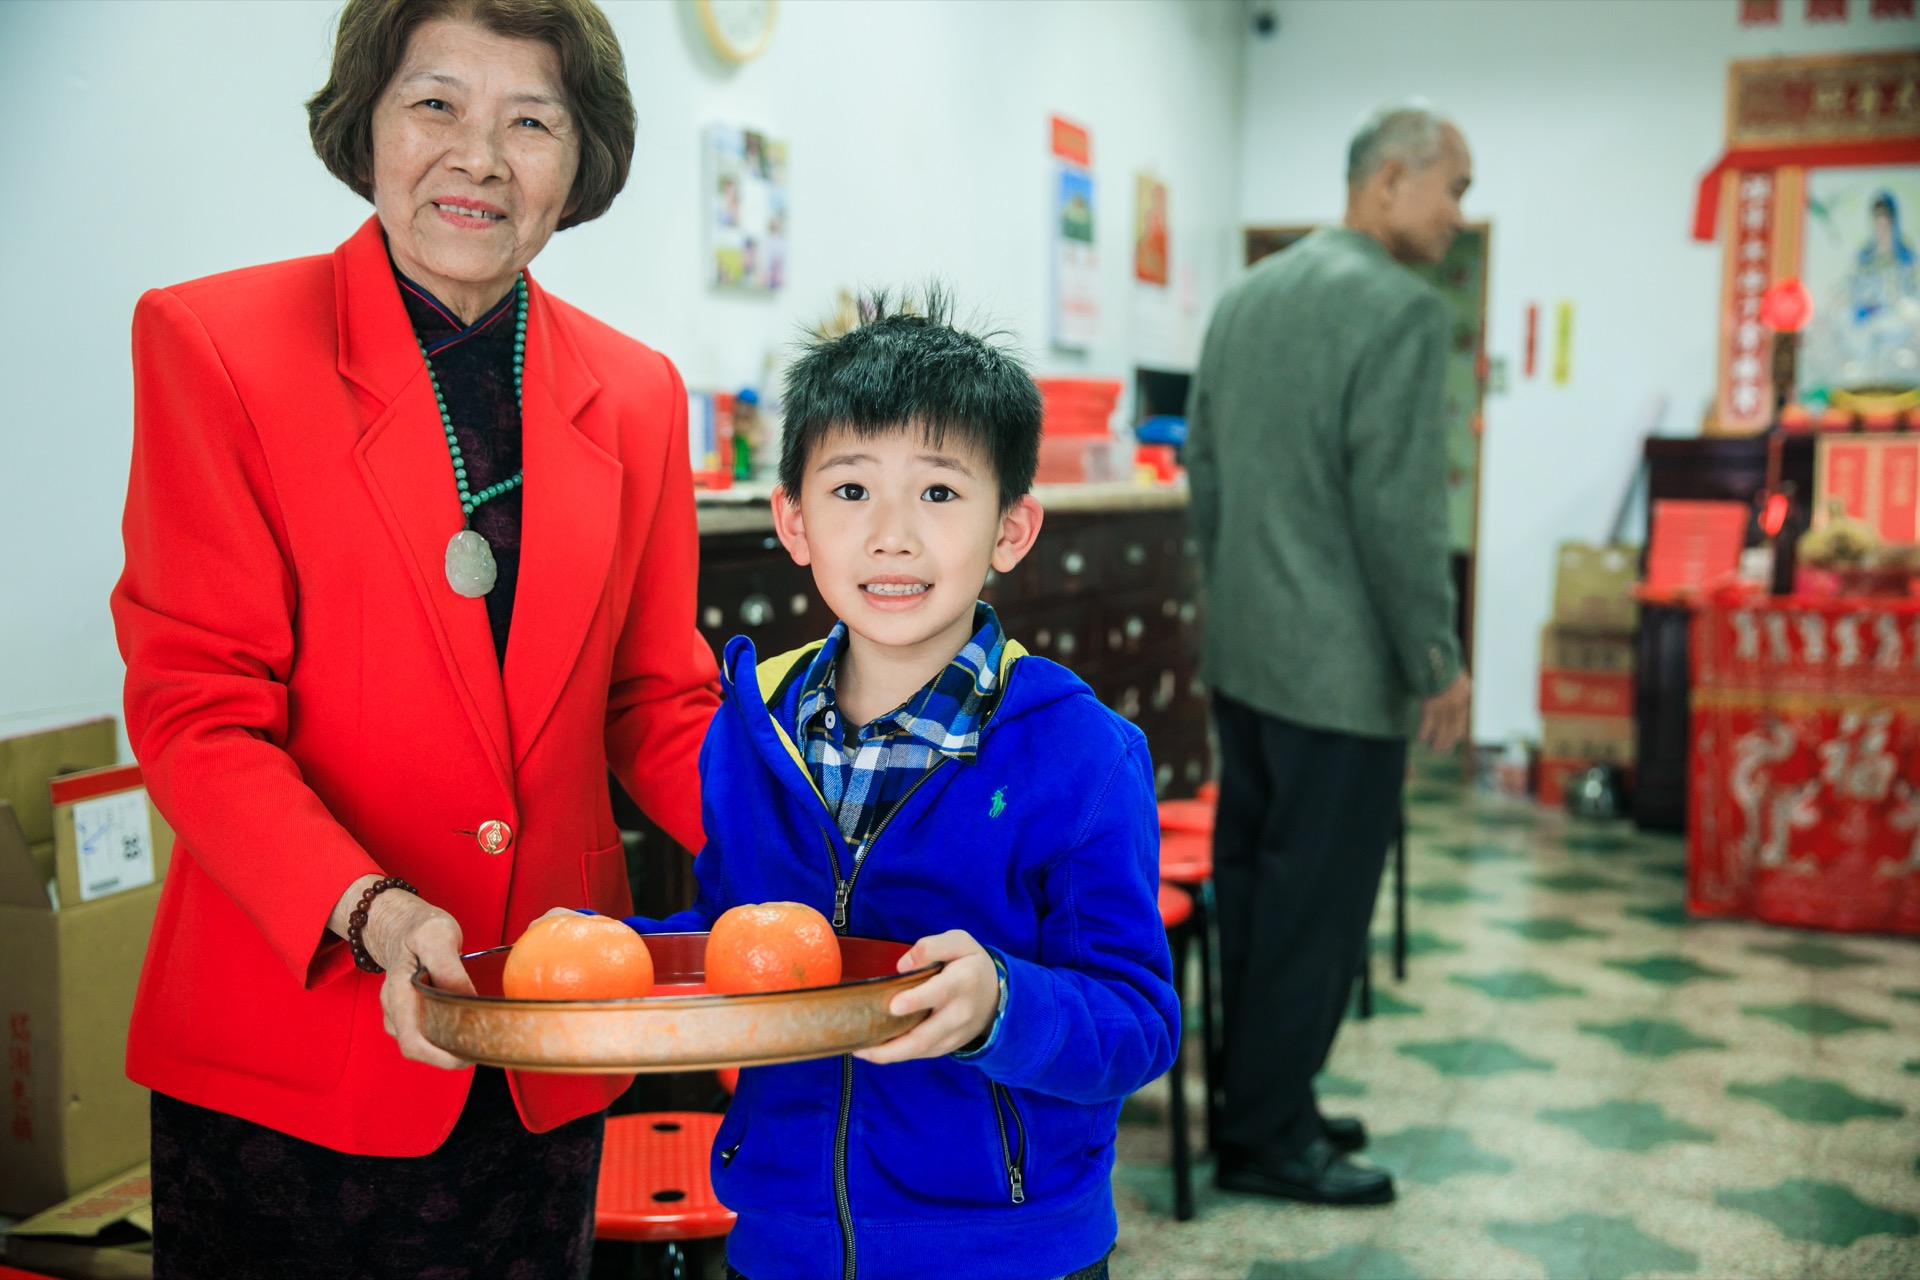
column 906, row 365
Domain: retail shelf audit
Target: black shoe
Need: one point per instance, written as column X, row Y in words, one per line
column 1346, row 1133
column 1318, row 1174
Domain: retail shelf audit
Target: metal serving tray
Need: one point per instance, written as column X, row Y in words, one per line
column 682, row 1026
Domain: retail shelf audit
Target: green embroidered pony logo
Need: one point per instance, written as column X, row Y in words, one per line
column 999, row 803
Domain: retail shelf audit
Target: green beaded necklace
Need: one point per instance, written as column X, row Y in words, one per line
column 471, row 570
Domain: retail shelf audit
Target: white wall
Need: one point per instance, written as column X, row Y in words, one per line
column 1591, row 122
column 161, row 140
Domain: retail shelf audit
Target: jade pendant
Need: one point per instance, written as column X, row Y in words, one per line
column 471, row 571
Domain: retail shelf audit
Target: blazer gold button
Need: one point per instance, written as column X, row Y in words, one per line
column 494, row 836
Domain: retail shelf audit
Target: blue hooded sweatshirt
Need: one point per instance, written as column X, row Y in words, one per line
column 1046, row 849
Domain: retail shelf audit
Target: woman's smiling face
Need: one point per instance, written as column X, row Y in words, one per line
column 474, row 156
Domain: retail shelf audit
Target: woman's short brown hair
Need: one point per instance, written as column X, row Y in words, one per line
column 372, row 41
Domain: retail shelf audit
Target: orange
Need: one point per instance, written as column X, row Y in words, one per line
column 771, row 946
column 577, row 958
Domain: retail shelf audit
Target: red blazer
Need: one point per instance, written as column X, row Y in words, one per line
column 311, row 702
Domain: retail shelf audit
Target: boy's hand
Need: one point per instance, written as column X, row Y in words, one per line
column 964, row 998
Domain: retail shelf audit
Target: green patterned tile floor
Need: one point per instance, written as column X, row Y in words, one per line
column 1577, row 1080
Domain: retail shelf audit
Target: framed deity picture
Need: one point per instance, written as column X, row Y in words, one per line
column 1857, row 259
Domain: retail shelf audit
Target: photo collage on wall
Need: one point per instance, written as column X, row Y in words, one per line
column 747, row 214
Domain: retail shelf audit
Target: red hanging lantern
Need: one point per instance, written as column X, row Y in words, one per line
column 1786, row 306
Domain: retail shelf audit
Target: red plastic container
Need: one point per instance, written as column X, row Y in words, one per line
column 1078, row 406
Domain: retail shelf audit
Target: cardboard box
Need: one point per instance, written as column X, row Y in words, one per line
column 1574, row 649
column 80, row 875
column 1587, row 739
column 104, row 1233
column 1586, row 693
column 1591, row 584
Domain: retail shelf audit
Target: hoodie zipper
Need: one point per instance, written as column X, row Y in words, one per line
column 1014, row 1155
column 842, row 908
column 842, row 903
column 843, row 889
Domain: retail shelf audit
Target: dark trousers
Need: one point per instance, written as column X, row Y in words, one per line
column 1300, row 838
column 233, row 1200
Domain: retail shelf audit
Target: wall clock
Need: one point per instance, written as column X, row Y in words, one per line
column 738, row 30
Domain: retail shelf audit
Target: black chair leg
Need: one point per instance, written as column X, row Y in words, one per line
column 1203, row 904
column 1366, row 975
column 1400, row 900
column 1177, row 1090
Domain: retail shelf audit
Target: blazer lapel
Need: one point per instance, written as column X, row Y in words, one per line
column 570, row 522
column 403, row 460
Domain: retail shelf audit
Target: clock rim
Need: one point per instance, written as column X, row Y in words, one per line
column 726, row 48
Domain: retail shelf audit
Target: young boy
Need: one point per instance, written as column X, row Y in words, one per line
column 918, row 776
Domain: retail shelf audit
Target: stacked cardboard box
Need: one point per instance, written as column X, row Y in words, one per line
column 1586, row 666
column 82, row 855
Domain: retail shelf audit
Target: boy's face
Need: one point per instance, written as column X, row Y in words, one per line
column 900, row 535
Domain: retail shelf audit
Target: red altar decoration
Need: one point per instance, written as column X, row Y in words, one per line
column 1804, row 799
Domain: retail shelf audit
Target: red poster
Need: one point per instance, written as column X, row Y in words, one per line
column 1899, row 478
column 1826, row 10
column 1071, row 142
column 1846, row 478
column 1746, row 346
column 1804, row 796
column 1892, row 8
column 1759, row 13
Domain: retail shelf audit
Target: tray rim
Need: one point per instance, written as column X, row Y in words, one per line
column 430, row 992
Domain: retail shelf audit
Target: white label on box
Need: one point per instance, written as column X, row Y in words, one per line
column 115, row 838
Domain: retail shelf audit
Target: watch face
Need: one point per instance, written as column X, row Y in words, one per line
column 740, row 27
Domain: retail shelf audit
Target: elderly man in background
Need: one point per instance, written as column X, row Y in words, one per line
column 1318, row 464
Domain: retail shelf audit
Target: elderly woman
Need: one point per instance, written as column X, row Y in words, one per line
column 410, row 561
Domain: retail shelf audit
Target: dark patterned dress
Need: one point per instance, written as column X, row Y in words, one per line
column 234, row 1199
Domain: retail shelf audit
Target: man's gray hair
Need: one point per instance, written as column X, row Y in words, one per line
column 1410, row 132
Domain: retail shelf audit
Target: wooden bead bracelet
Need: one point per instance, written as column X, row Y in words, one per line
column 358, row 920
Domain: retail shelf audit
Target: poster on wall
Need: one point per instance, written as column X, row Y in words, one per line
column 1076, row 263
column 1150, row 229
column 1858, row 263
column 747, row 213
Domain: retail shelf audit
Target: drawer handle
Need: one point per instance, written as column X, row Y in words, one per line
column 798, row 606
column 1067, row 644
column 1074, row 563
column 756, row 610
column 1136, row 554
column 1135, row 627
column 711, row 618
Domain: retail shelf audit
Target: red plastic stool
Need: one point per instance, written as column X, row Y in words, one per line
column 1176, row 914
column 1194, row 815
column 1186, row 859
column 655, row 1187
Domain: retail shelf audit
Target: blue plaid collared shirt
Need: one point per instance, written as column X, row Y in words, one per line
column 863, row 778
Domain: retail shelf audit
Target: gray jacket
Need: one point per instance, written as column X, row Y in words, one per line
column 1317, row 457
